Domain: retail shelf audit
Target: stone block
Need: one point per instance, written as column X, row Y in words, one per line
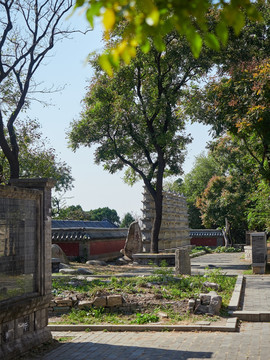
column 85, row 304
column 215, row 305
column 182, row 262
column 191, row 305
column 205, row 299
column 211, row 285
column 63, row 302
column 100, row 301
column 114, row 300
column 258, row 269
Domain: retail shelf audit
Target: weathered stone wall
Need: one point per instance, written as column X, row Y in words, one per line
column 174, row 230
column 25, row 265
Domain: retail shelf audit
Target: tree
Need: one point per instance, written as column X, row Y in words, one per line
column 76, row 212
column 127, row 220
column 156, row 19
column 36, row 158
column 240, row 105
column 73, row 212
column 229, row 195
column 104, row 213
column 258, row 213
column 238, row 102
column 29, row 30
column 137, row 123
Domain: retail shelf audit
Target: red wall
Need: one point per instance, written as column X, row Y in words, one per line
column 203, row 241
column 105, row 247
column 70, row 249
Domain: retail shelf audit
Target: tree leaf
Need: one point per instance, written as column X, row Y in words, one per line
column 196, row 45
column 222, row 32
column 212, row 42
column 108, row 19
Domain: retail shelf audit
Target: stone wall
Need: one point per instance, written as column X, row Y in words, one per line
column 174, row 230
column 25, row 265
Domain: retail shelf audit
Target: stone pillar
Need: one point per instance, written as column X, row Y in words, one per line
column 24, row 319
column 259, row 252
column 44, row 185
column 182, row 262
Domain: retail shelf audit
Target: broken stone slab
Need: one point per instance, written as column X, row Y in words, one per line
column 63, row 266
column 85, row 304
column 133, row 244
column 114, row 300
column 83, row 271
column 208, row 304
column 63, row 302
column 202, row 309
column 162, row 315
column 211, row 285
column 191, row 305
column 68, row 271
column 215, row 305
column 205, row 299
column 96, row 262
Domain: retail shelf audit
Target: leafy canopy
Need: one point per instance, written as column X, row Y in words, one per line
column 157, row 18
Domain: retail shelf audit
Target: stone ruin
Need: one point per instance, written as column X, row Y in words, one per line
column 174, row 232
column 25, row 265
column 133, row 244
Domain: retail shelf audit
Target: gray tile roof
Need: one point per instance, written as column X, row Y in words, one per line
column 58, row 224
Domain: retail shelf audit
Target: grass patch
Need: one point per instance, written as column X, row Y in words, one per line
column 160, row 292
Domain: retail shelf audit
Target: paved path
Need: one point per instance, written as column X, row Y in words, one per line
column 252, row 342
column 231, row 263
column 257, row 294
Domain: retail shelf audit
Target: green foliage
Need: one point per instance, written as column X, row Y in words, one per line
column 258, row 213
column 145, row 318
column 137, row 123
column 75, row 212
column 226, row 249
column 104, row 213
column 127, row 220
column 207, row 249
column 155, row 19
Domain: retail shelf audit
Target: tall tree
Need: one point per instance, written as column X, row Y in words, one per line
column 28, row 31
column 158, row 18
column 137, row 123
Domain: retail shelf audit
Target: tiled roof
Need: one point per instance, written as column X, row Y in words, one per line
column 58, row 224
column 205, row 233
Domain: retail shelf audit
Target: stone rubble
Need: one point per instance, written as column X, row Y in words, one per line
column 208, row 304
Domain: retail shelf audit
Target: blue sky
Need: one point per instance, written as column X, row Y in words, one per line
column 93, row 187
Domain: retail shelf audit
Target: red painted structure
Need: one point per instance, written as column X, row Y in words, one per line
column 88, row 239
column 206, row 237
column 105, row 247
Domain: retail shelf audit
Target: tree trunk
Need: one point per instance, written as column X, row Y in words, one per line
column 14, row 168
column 158, row 199
column 156, row 224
